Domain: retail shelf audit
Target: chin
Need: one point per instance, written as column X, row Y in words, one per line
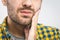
column 22, row 20
column 25, row 22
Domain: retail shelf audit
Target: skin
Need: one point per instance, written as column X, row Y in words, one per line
column 21, row 24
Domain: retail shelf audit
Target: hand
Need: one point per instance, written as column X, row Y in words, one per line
column 31, row 34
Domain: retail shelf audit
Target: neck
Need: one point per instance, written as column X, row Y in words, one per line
column 15, row 29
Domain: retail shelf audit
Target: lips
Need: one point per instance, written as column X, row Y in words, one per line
column 26, row 12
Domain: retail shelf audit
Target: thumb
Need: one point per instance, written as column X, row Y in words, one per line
column 26, row 31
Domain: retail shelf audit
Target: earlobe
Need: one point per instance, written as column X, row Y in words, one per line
column 4, row 2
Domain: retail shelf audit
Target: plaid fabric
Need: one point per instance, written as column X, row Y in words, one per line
column 43, row 32
column 47, row 33
column 4, row 35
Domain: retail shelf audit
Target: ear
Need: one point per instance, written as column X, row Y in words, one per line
column 4, row 2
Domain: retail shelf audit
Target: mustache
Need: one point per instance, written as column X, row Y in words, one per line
column 26, row 8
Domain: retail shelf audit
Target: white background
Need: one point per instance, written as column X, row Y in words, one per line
column 49, row 15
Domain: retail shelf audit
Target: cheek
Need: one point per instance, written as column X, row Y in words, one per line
column 14, row 3
column 37, row 5
column 17, row 4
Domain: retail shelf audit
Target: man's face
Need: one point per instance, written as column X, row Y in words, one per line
column 22, row 11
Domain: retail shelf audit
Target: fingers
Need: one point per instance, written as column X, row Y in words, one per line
column 32, row 31
column 35, row 18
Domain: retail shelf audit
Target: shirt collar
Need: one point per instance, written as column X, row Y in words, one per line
column 5, row 28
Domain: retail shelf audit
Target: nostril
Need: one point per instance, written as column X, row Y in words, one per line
column 26, row 5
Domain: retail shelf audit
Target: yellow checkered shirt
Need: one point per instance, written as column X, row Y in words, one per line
column 43, row 32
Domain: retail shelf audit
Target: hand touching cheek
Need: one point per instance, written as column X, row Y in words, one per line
column 31, row 34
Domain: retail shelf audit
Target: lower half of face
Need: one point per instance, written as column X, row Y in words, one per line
column 23, row 17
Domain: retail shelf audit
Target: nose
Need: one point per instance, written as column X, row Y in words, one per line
column 27, row 3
